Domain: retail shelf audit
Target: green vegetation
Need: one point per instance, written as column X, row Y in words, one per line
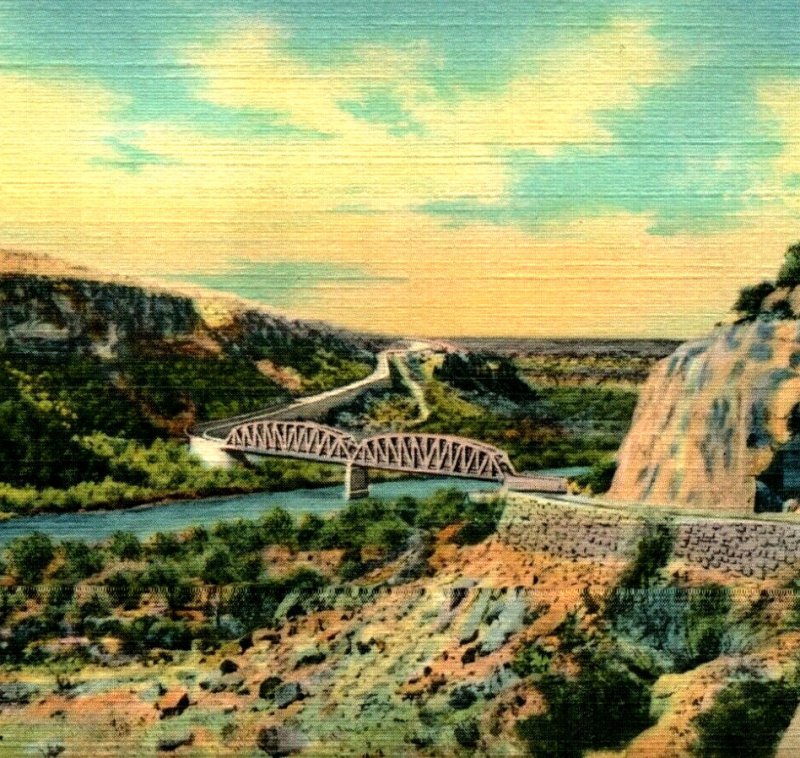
column 751, row 298
column 136, row 582
column 652, row 554
column 136, row 473
column 540, row 425
column 683, row 626
column 746, row 719
column 531, row 659
column 604, row 706
column 620, row 370
column 29, row 556
column 750, row 303
column 170, row 386
column 789, row 273
column 598, row 478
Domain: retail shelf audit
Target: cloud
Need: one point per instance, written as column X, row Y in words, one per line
column 780, row 101
column 559, row 97
column 337, row 183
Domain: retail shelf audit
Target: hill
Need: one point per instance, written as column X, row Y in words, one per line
column 99, row 380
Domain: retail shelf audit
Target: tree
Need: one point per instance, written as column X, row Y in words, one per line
column 746, row 719
column 789, row 274
column 751, row 298
column 29, row 556
column 125, row 546
column 80, row 560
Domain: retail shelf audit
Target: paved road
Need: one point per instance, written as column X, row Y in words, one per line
column 313, row 405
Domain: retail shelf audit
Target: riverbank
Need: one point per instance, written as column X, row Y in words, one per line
column 145, row 520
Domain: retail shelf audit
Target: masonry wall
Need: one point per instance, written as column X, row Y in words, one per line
column 740, row 546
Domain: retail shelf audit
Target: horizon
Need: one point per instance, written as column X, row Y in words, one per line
column 610, row 172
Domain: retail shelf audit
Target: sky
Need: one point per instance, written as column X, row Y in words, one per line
column 560, row 168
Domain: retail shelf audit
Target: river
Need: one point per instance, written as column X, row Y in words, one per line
column 93, row 526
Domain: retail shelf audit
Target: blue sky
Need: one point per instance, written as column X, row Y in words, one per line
column 414, row 143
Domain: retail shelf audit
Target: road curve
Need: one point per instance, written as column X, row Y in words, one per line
column 307, row 407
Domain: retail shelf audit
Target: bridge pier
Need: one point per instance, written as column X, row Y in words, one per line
column 356, row 482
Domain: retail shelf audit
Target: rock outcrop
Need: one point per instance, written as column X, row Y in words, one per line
column 64, row 315
column 716, row 422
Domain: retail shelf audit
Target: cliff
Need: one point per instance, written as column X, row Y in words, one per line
column 42, row 314
column 714, row 426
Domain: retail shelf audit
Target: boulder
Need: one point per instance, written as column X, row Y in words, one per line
column 169, row 744
column 286, row 694
column 280, row 740
column 173, row 703
column 228, row 666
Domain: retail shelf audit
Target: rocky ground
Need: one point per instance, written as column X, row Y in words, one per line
column 423, row 667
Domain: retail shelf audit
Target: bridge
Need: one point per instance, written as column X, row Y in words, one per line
column 411, row 453
column 288, row 432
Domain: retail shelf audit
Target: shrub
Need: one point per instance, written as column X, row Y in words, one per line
column 278, row 527
column 652, row 554
column 706, row 624
column 789, row 273
column 80, row 561
column 467, row 733
column 164, row 545
column 125, row 589
column 746, row 719
column 480, row 519
column 599, row 477
column 781, row 309
column 442, row 508
column 603, row 707
column 169, row 581
column 531, row 659
column 462, row 698
column 30, row 555
column 309, row 530
column 751, row 298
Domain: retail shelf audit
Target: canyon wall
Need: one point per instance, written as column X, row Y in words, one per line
column 711, row 418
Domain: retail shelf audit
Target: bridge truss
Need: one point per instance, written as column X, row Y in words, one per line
column 431, row 454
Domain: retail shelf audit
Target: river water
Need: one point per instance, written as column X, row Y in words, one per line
column 143, row 521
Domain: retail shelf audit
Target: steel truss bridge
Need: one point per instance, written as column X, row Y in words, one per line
column 409, row 452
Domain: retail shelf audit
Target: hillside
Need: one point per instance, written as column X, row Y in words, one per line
column 401, row 628
column 99, row 380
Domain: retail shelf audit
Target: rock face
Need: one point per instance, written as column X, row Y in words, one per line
column 55, row 315
column 716, row 422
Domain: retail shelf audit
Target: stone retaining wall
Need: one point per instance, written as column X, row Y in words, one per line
column 567, row 529
column 751, row 548
column 574, row 530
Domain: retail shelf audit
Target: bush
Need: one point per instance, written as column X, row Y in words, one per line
column 80, row 561
column 789, row 273
column 462, row 698
column 125, row 589
column 746, row 719
column 164, row 545
column 125, row 546
column 751, row 298
column 706, row 625
column 278, row 527
column 652, row 554
column 170, row 582
column 599, row 477
column 686, row 627
column 604, row 707
column 29, row 556
column 467, row 733
column 531, row 659
column 309, row 530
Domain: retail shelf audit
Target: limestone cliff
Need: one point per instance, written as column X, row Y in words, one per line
column 713, row 421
